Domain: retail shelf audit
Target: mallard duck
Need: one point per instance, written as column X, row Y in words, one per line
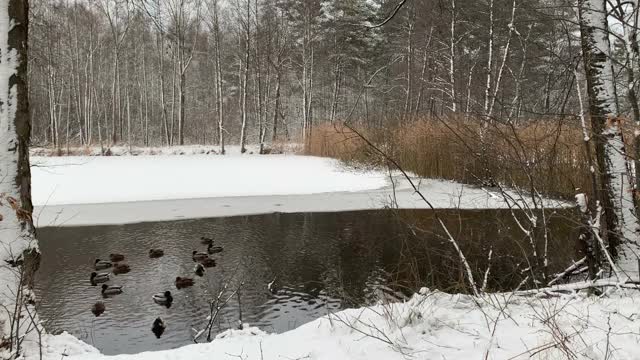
column 158, row 327
column 121, row 269
column 98, row 308
column 206, row 240
column 111, row 290
column 272, row 286
column 208, row 262
column 198, row 255
column 214, row 249
column 98, row 278
column 164, row 298
column 198, row 269
column 156, row 253
column 116, row 257
column 102, row 264
column 183, row 282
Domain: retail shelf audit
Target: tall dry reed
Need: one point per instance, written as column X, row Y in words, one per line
column 547, row 156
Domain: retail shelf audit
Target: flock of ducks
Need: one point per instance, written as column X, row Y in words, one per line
column 201, row 258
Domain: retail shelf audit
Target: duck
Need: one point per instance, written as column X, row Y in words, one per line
column 116, row 257
column 183, row 282
column 208, row 263
column 206, row 241
column 214, row 249
column 102, row 264
column 121, row 269
column 98, row 308
column 156, row 253
column 158, row 327
column 199, row 269
column 111, row 290
column 198, row 255
column 98, row 278
column 271, row 286
column 164, row 298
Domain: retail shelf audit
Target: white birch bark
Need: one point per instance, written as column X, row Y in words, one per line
column 487, row 90
column 16, row 229
column 622, row 225
column 452, row 56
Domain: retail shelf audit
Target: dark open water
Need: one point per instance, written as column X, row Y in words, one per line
column 322, row 262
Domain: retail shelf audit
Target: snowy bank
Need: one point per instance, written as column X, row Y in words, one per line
column 128, row 189
column 430, row 326
column 123, row 150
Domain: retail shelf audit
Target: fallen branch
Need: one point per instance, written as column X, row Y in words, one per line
column 571, row 270
column 559, row 290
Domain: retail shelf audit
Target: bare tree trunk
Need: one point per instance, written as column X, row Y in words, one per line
column 307, row 77
column 173, row 100
column 91, row 91
column 452, row 56
column 630, row 26
column 163, row 102
column 18, row 234
column 126, row 94
column 114, row 84
column 276, row 108
column 336, row 91
column 68, row 127
column 258, row 82
column 52, row 103
column 467, row 108
column 621, row 223
column 181, row 118
column 218, row 70
column 309, row 109
column 245, row 81
column 407, row 101
column 517, row 99
column 145, row 97
column 425, row 61
column 487, row 90
column 504, row 60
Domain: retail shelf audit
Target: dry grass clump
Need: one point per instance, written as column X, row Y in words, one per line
column 546, row 155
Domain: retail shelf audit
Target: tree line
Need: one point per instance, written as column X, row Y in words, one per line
column 168, row 72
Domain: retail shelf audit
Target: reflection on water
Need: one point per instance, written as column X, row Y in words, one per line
column 321, row 262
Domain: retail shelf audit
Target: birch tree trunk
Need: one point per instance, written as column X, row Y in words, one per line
column 276, row 108
column 504, row 60
column 452, row 57
column 425, row 60
column 629, row 23
column 163, row 102
column 19, row 248
column 336, row 90
column 407, row 101
column 245, row 81
column 487, row 89
column 218, row 70
column 621, row 225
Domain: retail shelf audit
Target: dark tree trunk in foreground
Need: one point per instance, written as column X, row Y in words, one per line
column 18, row 252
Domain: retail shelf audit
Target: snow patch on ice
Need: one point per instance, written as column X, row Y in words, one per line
column 87, row 180
column 116, row 190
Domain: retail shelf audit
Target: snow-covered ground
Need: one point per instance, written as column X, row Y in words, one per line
column 83, row 190
column 430, row 326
